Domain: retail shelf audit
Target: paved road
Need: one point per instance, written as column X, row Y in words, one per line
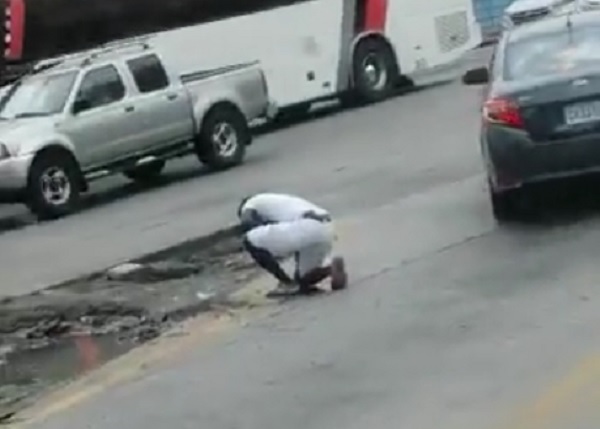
column 349, row 153
column 450, row 322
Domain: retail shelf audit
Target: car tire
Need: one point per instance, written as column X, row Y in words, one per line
column 146, row 174
column 223, row 138
column 504, row 206
column 375, row 71
column 53, row 186
column 513, row 205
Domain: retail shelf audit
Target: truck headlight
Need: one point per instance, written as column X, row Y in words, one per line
column 4, row 153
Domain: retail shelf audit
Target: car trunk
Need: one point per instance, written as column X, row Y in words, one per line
column 560, row 108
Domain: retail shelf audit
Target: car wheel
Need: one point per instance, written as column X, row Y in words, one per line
column 513, row 205
column 223, row 139
column 375, row 71
column 146, row 174
column 504, row 206
column 54, row 185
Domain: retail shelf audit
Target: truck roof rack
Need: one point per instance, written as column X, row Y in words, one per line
column 87, row 57
column 114, row 47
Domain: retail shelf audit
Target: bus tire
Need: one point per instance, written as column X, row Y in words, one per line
column 374, row 71
column 54, row 185
column 223, row 138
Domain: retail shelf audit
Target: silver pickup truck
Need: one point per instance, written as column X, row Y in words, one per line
column 118, row 110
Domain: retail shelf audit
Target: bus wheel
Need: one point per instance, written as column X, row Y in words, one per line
column 374, row 69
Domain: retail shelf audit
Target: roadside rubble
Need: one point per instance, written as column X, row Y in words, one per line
column 53, row 335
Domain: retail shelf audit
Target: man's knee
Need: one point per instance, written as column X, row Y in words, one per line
column 252, row 249
column 266, row 260
column 260, row 255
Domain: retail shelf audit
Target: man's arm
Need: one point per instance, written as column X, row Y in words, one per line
column 321, row 217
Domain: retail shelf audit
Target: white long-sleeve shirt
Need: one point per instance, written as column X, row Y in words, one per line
column 274, row 207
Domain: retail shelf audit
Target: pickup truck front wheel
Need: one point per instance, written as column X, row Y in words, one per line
column 223, row 139
column 54, row 185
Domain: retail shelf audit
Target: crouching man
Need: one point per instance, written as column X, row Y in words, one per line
column 279, row 226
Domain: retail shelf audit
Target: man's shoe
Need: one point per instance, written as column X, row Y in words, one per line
column 309, row 290
column 283, row 289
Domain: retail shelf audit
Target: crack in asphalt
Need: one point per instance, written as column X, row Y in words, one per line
column 432, row 253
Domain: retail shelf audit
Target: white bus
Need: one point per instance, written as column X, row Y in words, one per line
column 310, row 50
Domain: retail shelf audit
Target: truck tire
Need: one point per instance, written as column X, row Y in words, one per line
column 374, row 70
column 146, row 174
column 223, row 138
column 53, row 186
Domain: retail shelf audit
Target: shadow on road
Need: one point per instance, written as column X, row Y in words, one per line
column 561, row 204
column 334, row 109
column 116, row 190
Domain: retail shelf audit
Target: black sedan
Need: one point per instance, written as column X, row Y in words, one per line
column 541, row 108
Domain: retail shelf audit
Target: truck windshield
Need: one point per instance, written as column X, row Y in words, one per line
column 37, row 96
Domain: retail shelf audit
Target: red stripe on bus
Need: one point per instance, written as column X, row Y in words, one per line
column 375, row 15
column 14, row 48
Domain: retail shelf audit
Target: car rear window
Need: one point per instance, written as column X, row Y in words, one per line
column 558, row 52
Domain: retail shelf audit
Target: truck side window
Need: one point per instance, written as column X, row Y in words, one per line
column 100, row 87
column 148, row 73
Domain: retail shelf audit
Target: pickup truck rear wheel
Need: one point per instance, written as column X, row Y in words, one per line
column 54, row 185
column 223, row 139
column 146, row 174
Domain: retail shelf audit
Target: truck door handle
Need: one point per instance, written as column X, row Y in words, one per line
column 171, row 96
column 129, row 109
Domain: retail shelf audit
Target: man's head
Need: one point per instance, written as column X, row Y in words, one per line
column 241, row 206
column 248, row 217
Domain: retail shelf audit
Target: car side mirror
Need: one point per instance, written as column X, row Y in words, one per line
column 476, row 76
column 80, row 105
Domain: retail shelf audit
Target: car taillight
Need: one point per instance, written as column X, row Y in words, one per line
column 503, row 111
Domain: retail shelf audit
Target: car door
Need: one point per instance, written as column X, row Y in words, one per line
column 104, row 125
column 164, row 107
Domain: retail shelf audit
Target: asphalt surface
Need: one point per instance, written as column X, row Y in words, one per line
column 450, row 321
column 338, row 160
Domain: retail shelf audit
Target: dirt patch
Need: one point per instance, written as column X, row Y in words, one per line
column 56, row 334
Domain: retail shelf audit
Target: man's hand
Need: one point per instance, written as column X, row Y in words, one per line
column 315, row 216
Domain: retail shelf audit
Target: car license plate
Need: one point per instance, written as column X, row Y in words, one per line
column 582, row 113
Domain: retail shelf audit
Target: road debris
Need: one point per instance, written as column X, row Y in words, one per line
column 52, row 336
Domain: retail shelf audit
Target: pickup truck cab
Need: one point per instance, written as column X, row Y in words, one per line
column 118, row 109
